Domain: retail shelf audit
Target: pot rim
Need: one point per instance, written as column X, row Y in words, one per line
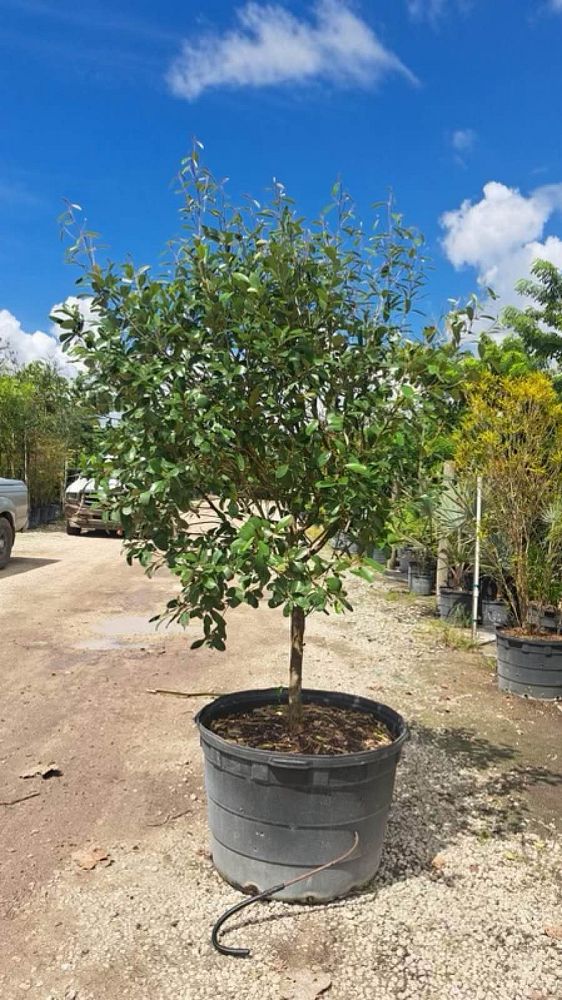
column 257, row 696
column 519, row 640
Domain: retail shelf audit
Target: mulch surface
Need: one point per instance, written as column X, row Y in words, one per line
column 544, row 636
column 324, row 730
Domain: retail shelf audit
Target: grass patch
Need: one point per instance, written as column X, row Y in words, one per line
column 399, row 596
column 452, row 636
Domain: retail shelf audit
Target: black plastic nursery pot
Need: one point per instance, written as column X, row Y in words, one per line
column 344, row 542
column 529, row 666
column 421, row 581
column 273, row 816
column 405, row 557
column 379, row 555
column 455, row 605
column 549, row 619
column 495, row 613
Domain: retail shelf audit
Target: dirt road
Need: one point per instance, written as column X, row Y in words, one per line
column 78, row 659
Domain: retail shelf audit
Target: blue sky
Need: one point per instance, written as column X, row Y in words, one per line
column 455, row 105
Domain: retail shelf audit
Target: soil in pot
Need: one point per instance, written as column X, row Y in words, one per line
column 545, row 635
column 325, row 730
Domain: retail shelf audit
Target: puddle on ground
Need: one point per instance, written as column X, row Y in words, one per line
column 127, row 631
column 99, row 644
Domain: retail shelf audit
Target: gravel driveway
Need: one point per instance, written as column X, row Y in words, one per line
column 107, row 890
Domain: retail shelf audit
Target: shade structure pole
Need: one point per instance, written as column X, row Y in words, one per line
column 476, row 576
column 443, row 542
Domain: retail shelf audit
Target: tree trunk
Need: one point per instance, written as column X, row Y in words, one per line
column 295, row 670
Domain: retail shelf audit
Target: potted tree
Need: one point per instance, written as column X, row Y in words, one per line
column 266, row 388
column 512, row 435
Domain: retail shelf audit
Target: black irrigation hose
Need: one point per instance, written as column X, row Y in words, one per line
column 245, row 952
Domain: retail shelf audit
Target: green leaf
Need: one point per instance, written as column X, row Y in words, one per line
column 281, row 471
column 357, row 467
column 335, row 421
column 364, row 573
column 284, row 522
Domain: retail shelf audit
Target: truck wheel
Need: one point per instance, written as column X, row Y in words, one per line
column 71, row 529
column 6, row 541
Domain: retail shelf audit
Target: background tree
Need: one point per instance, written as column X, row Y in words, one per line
column 269, row 397
column 511, row 435
column 539, row 325
column 45, row 425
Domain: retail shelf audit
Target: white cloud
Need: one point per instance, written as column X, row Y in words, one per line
column 434, row 10
column 26, row 347
column 429, row 9
column 502, row 234
column 463, row 139
column 271, row 46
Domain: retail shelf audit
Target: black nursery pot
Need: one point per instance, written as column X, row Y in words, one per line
column 549, row 620
column 273, row 816
column 344, row 542
column 455, row 605
column 529, row 666
column 405, row 557
column 495, row 613
column 421, row 580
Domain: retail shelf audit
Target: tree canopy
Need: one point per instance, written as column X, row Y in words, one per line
column 271, row 396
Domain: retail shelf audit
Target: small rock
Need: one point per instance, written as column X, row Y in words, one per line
column 90, row 857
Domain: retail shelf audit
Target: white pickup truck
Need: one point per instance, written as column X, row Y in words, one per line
column 13, row 515
column 83, row 509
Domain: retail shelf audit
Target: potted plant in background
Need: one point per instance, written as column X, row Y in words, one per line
column 267, row 389
column 413, row 524
column 495, row 608
column 455, row 523
column 512, row 436
column 454, row 600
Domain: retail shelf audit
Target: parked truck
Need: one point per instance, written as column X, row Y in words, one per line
column 83, row 509
column 14, row 512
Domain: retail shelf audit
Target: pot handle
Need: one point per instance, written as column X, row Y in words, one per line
column 290, row 765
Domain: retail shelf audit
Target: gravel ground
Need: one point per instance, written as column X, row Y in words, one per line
column 458, row 910
column 466, row 903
